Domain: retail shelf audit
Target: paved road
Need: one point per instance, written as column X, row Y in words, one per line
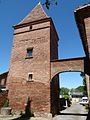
column 75, row 112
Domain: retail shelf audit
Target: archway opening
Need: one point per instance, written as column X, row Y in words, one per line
column 67, row 88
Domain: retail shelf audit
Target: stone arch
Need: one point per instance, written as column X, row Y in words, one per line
column 65, row 71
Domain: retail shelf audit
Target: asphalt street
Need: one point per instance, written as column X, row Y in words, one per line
column 75, row 112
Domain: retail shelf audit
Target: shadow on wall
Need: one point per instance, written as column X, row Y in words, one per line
column 54, row 95
column 28, row 112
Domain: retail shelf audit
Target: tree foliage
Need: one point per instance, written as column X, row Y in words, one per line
column 84, row 82
column 79, row 89
column 67, row 97
column 64, row 91
column 47, row 3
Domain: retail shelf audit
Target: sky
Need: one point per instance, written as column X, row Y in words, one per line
column 13, row 11
column 70, row 80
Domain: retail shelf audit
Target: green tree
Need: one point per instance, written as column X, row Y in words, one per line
column 67, row 97
column 79, row 89
column 47, row 3
column 72, row 90
column 64, row 91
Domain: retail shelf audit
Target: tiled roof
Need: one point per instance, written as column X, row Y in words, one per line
column 37, row 13
column 77, row 93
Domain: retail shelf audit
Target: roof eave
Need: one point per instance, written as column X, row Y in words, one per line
column 31, row 23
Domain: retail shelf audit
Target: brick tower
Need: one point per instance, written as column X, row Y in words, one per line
column 35, row 45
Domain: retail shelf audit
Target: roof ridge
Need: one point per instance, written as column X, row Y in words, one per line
column 37, row 13
column 43, row 10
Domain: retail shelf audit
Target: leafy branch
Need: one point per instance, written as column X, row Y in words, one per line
column 49, row 2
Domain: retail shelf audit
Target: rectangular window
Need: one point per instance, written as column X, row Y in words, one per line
column 30, row 77
column 30, row 52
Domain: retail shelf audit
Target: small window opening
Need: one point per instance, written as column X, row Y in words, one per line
column 30, row 77
column 30, row 52
column 30, row 27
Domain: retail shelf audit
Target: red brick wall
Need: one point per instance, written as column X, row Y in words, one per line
column 42, row 38
column 54, row 87
column 67, row 65
column 39, row 89
column 3, row 97
column 40, row 63
column 87, row 28
column 38, row 93
column 53, row 44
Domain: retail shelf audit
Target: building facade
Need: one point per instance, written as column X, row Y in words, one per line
column 34, row 65
column 35, row 45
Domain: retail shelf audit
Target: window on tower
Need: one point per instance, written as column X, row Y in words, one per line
column 30, row 77
column 30, row 27
column 29, row 52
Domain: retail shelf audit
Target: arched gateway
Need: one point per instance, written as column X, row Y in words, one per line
column 34, row 61
column 66, row 65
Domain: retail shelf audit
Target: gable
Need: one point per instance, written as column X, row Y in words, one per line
column 37, row 13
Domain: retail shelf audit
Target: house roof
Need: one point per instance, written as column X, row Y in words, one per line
column 37, row 13
column 77, row 93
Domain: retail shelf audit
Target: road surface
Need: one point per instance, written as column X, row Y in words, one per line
column 75, row 112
